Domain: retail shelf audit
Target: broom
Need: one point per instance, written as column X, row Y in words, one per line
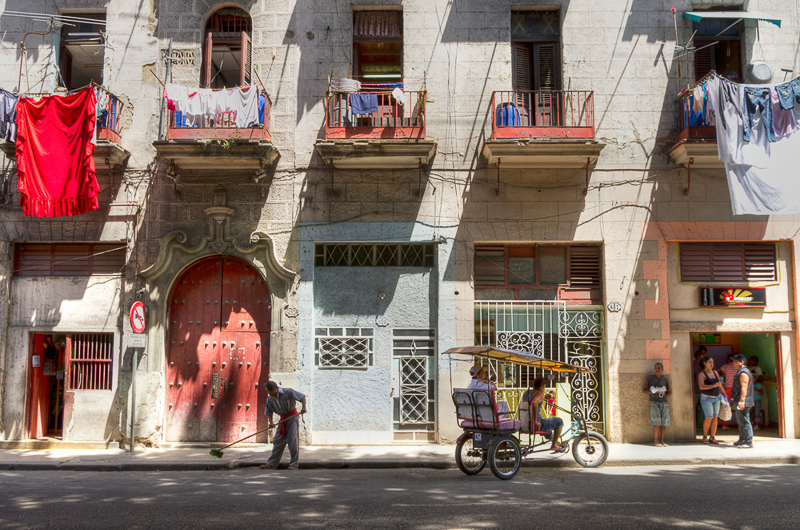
column 218, row 452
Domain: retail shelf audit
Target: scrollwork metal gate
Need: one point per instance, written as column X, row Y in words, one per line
column 549, row 329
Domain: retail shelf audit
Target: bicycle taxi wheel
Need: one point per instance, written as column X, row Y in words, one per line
column 469, row 459
column 590, row 451
column 505, row 457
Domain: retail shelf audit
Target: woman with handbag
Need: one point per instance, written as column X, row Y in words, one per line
column 711, row 395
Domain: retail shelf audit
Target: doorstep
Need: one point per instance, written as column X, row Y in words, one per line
column 52, row 443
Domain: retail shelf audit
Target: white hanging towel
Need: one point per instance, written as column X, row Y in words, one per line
column 761, row 175
column 399, row 96
column 243, row 101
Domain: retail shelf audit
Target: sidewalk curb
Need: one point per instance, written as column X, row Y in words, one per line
column 378, row 464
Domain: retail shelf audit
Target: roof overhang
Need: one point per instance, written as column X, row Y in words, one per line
column 517, row 357
column 697, row 16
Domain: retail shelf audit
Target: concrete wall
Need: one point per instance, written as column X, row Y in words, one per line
column 634, row 204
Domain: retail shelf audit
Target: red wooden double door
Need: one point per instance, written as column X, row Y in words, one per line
column 218, row 352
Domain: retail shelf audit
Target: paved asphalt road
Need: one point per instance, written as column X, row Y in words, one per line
column 712, row 497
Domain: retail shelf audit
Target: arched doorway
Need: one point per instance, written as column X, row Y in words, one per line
column 217, row 351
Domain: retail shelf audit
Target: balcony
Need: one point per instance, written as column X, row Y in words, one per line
column 216, row 143
column 697, row 141
column 535, row 128
column 392, row 137
column 108, row 152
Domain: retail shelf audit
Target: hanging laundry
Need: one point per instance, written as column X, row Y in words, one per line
column 241, row 104
column 8, row 116
column 54, row 154
column 363, row 103
column 760, row 173
column 399, row 96
column 786, row 122
column 789, row 94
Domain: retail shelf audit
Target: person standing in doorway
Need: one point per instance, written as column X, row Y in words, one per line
column 657, row 385
column 711, row 389
column 742, row 401
column 729, row 370
column 283, row 401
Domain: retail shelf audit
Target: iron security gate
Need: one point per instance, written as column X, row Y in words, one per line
column 414, row 384
column 549, row 329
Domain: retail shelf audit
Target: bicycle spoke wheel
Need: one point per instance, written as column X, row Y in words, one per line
column 591, row 451
column 505, row 457
column 469, row 459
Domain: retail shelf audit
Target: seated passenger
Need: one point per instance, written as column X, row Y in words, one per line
column 535, row 398
column 480, row 381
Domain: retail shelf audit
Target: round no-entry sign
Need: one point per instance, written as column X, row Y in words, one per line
column 137, row 317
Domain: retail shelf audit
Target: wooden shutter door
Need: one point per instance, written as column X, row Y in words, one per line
column 545, row 81
column 522, row 81
column 703, row 59
column 205, row 75
column 246, row 62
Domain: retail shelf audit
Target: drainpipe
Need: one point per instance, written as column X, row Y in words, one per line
column 163, row 118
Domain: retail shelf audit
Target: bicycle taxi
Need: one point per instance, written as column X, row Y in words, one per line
column 493, row 437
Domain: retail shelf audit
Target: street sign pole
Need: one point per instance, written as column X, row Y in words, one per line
column 134, row 369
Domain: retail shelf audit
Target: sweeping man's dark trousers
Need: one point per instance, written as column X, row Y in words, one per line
column 292, row 439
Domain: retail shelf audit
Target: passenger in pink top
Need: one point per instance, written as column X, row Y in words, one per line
column 730, row 372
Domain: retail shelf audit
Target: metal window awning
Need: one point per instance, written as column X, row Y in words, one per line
column 697, row 16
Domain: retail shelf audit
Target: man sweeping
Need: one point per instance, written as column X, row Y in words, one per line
column 283, row 402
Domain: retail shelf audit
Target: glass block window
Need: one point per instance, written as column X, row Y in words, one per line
column 343, row 347
column 375, row 254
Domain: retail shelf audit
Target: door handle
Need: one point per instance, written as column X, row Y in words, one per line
column 214, row 386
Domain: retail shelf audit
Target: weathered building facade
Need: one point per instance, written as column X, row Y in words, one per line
column 530, row 191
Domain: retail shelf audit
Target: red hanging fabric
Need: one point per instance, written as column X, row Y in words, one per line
column 54, row 154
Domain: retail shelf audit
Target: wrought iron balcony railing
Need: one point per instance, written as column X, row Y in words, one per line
column 542, row 114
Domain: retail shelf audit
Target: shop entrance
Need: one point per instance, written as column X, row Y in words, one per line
column 763, row 350
column 218, row 352
column 46, row 385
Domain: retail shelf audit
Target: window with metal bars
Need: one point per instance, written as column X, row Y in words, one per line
column 343, row 347
column 68, row 259
column 728, row 262
column 539, row 272
column 375, row 255
column 90, row 362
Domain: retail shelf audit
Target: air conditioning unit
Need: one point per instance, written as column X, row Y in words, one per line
column 760, row 72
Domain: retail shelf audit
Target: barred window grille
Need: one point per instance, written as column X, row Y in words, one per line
column 375, row 255
column 91, row 357
column 344, row 347
column 414, row 354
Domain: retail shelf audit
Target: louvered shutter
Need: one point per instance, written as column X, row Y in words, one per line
column 545, row 67
column 490, row 266
column 585, row 268
column 205, row 79
column 759, row 262
column 697, row 264
column 68, row 259
column 33, row 260
column 246, row 62
column 728, row 262
column 703, row 59
column 522, row 67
